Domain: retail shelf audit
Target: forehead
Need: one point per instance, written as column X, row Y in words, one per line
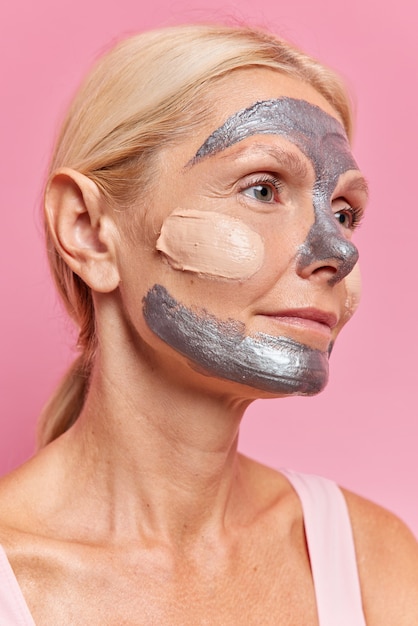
column 257, row 101
column 242, row 87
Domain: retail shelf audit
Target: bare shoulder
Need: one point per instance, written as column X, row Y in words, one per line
column 387, row 554
column 15, row 495
column 23, row 494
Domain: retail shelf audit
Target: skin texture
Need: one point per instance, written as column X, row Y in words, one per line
column 144, row 513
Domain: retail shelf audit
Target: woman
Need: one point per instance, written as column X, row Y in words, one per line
column 199, row 217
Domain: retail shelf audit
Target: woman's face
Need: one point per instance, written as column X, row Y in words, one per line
column 246, row 268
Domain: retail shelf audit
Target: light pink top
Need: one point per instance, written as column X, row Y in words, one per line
column 13, row 608
column 331, row 552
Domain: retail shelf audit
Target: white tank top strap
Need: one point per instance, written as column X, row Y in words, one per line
column 331, row 550
column 13, row 608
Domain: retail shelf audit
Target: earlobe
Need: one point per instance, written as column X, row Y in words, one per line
column 82, row 228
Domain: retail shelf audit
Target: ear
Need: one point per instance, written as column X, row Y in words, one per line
column 82, row 228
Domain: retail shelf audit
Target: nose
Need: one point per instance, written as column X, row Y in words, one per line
column 326, row 251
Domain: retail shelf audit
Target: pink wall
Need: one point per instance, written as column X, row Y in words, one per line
column 363, row 430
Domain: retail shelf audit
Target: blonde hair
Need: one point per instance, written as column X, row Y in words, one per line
column 150, row 90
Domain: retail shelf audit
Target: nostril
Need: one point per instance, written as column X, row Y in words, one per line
column 324, row 267
column 326, row 270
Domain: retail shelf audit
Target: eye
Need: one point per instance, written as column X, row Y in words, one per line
column 265, row 190
column 349, row 217
column 345, row 217
column 260, row 192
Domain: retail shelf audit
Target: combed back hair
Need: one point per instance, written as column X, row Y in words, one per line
column 151, row 90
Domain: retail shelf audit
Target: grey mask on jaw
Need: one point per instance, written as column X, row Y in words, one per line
column 217, row 348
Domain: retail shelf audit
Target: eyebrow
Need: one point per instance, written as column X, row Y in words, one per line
column 358, row 184
column 285, row 158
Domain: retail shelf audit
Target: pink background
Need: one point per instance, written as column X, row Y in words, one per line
column 363, row 430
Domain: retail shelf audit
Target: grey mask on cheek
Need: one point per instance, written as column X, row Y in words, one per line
column 323, row 140
column 216, row 348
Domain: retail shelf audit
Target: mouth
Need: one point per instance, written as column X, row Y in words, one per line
column 307, row 323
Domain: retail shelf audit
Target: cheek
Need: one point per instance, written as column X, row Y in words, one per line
column 211, row 244
column 353, row 292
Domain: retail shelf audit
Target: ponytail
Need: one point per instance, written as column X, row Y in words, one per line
column 65, row 404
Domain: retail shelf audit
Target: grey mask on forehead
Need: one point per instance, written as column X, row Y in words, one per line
column 217, row 348
column 323, row 141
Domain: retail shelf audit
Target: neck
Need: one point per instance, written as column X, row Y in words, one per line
column 161, row 457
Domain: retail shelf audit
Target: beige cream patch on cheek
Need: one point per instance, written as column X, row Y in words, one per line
column 210, row 243
column 353, row 291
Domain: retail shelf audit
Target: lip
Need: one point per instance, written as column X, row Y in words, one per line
column 307, row 318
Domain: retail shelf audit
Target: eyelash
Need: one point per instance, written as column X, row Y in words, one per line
column 265, row 179
column 356, row 215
